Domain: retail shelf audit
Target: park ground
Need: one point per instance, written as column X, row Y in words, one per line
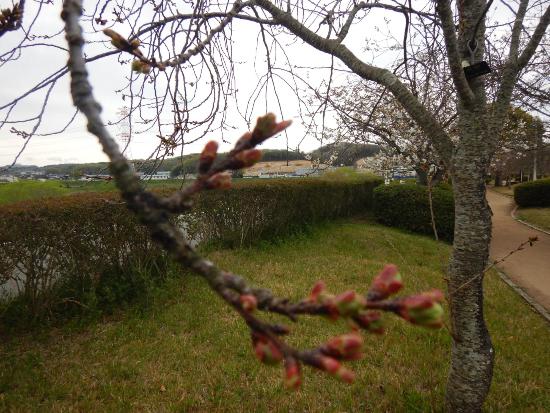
column 540, row 217
column 186, row 351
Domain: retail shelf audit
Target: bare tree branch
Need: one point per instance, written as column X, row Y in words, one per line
column 455, row 61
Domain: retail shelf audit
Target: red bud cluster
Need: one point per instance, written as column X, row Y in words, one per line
column 349, row 303
column 318, row 288
column 370, row 321
column 334, row 367
column 248, row 302
column 423, row 309
column 265, row 349
column 208, row 156
column 386, row 283
column 293, row 377
column 344, row 347
column 266, row 127
column 221, row 180
column 247, row 158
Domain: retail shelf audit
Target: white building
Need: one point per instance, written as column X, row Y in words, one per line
column 159, row 175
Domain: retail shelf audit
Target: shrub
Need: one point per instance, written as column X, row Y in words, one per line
column 533, row 194
column 61, row 255
column 407, row 207
column 273, row 208
column 87, row 252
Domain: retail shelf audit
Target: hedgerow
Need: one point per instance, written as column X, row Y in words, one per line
column 533, row 194
column 86, row 253
column 407, row 207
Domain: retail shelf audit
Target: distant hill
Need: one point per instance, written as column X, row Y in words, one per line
column 177, row 165
column 345, row 153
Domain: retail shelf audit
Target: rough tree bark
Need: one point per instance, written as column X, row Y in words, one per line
column 472, row 355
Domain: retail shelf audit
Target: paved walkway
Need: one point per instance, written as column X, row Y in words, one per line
column 529, row 268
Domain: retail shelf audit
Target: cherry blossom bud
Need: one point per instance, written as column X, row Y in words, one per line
column 135, row 43
column 345, row 375
column 316, row 291
column 350, row 303
column 370, row 321
column 207, row 157
column 266, row 351
column 249, row 303
column 266, row 126
column 329, row 302
column 345, row 346
column 329, row 364
column 386, row 283
column 423, row 309
column 247, row 158
column 333, row 366
column 293, row 378
column 221, row 180
column 281, row 126
column 244, row 139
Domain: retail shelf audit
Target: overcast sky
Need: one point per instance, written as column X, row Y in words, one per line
column 107, row 75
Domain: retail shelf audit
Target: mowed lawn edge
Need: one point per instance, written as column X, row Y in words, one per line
column 539, row 217
column 189, row 352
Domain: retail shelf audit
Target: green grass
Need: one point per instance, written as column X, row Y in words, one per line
column 539, row 217
column 189, row 352
column 22, row 190
column 27, row 189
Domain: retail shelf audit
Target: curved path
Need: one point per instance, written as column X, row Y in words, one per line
column 529, row 268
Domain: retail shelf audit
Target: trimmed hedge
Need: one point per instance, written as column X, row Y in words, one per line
column 533, row 194
column 407, row 207
column 273, row 208
column 86, row 253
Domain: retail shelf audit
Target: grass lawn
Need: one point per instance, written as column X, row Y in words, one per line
column 539, row 217
column 27, row 189
column 189, row 352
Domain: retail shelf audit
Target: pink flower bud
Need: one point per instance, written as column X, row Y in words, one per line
column 207, row 157
column 249, row 303
column 221, row 180
column 333, row 366
column 386, row 283
column 293, row 378
column 345, row 346
column 266, row 126
column 248, row 158
column 329, row 364
column 281, row 126
column 350, row 303
column 266, row 351
column 345, row 375
column 370, row 321
column 423, row 309
column 317, row 289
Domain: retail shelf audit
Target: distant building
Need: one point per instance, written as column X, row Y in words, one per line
column 157, row 176
column 8, row 178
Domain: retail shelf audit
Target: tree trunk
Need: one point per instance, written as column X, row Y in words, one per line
column 472, row 352
column 422, row 176
column 498, row 177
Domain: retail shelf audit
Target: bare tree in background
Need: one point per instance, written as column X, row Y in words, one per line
column 175, row 52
